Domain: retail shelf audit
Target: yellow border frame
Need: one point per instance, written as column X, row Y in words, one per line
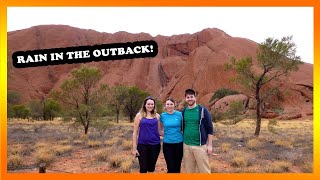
column 250, row 3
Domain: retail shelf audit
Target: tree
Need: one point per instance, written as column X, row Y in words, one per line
column 133, row 101
column 51, row 109
column 13, row 98
column 117, row 98
column 82, row 97
column 36, row 109
column 20, row 111
column 275, row 58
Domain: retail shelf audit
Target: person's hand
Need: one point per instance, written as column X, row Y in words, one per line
column 209, row 150
column 135, row 153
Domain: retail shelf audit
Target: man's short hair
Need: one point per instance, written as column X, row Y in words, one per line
column 189, row 92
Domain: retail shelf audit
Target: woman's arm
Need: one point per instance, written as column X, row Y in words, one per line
column 135, row 134
column 160, row 127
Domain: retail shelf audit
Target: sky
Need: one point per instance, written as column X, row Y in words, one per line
column 254, row 23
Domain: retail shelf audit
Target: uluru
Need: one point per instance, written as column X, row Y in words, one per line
column 183, row 61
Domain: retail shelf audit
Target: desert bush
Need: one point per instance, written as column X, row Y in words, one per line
column 64, row 142
column 15, row 149
column 101, row 126
column 279, row 167
column 20, row 111
column 285, row 143
column 62, row 149
column 235, row 112
column 254, row 143
column 14, row 161
column 84, row 137
column 126, row 166
column 92, row 143
column 225, row 147
column 220, row 93
column 115, row 161
column 216, row 115
column 103, row 154
column 127, row 145
column 78, row 142
column 44, row 155
column 115, row 141
column 239, row 159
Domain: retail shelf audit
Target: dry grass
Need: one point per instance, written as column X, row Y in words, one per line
column 64, row 142
column 43, row 155
column 94, row 144
column 290, row 148
column 116, row 160
column 113, row 141
column 15, row 149
column 126, row 166
column 127, row 145
column 62, row 149
column 239, row 159
column 40, row 145
column 14, row 161
column 225, row 147
column 103, row 154
column 255, row 143
column 307, row 167
column 279, row 167
column 84, row 137
column 78, row 142
column 285, row 143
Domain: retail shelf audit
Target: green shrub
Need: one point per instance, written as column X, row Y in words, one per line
column 222, row 93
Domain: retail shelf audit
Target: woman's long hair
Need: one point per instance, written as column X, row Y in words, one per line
column 143, row 110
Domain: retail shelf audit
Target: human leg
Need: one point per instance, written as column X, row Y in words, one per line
column 143, row 158
column 154, row 151
column 189, row 159
column 202, row 158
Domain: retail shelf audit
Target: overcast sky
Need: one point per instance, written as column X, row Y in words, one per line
column 255, row 23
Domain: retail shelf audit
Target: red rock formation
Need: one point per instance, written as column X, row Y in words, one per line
column 184, row 61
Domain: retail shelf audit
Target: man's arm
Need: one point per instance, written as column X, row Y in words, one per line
column 209, row 143
column 209, row 131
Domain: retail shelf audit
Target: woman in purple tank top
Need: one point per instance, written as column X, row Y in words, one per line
column 146, row 138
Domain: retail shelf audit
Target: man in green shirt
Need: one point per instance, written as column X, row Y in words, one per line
column 197, row 135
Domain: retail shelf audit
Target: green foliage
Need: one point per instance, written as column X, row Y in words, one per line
column 36, row 108
column 133, row 101
column 51, row 109
column 275, row 58
column 81, row 96
column 222, row 93
column 13, row 98
column 21, row 111
column 272, row 124
column 235, row 112
column 116, row 99
column 216, row 115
